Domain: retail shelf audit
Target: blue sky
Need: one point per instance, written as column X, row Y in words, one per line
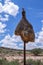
column 10, row 15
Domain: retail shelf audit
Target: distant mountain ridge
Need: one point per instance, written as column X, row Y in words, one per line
column 10, row 49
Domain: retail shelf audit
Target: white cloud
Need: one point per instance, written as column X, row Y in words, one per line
column 16, row 38
column 7, row 1
column 2, row 27
column 42, row 28
column 39, row 38
column 1, row 8
column 11, row 42
column 31, row 46
column 9, row 8
column 5, row 18
column 42, row 21
column 6, row 15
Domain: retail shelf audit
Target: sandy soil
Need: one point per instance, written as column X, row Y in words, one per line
column 10, row 58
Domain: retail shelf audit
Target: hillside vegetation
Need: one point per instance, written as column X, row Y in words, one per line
column 4, row 51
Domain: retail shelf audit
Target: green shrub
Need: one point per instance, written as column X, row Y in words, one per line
column 36, row 51
column 5, row 62
column 32, row 62
column 14, row 63
column 28, row 62
column 0, row 62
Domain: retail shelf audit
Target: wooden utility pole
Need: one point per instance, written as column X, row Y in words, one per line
column 24, row 53
column 25, row 30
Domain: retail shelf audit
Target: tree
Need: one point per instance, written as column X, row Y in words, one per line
column 36, row 51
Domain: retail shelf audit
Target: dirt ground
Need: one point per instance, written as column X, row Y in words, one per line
column 20, row 58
